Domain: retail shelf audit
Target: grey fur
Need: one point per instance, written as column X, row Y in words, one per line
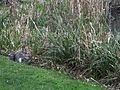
column 18, row 57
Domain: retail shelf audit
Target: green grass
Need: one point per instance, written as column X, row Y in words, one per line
column 15, row 76
column 54, row 33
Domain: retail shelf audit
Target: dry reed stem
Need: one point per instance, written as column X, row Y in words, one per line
column 92, row 8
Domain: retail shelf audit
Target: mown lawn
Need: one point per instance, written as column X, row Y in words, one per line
column 15, row 76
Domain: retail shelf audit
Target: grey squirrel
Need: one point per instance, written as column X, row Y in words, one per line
column 17, row 57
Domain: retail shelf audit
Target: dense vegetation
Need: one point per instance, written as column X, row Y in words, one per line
column 69, row 36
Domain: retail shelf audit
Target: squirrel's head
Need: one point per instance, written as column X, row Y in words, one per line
column 19, row 57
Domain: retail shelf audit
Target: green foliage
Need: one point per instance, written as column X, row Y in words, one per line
column 59, row 35
column 20, row 77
